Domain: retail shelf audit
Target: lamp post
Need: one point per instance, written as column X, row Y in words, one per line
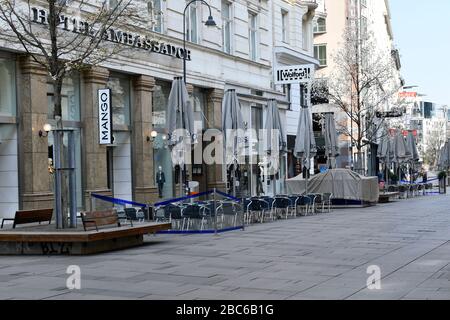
column 209, row 23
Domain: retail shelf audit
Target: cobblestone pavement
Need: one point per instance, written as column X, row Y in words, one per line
column 316, row 257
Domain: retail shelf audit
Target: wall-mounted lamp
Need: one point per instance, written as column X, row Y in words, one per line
column 44, row 133
column 153, row 135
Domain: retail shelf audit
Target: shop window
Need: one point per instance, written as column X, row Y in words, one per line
column 120, row 92
column 70, row 98
column 8, row 88
column 160, row 98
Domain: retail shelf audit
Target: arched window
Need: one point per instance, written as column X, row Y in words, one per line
column 320, row 25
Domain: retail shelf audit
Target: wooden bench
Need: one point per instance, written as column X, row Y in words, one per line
column 100, row 218
column 386, row 197
column 31, row 216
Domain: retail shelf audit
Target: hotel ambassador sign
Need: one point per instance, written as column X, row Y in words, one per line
column 76, row 25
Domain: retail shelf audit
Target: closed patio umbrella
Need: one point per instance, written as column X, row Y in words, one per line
column 384, row 154
column 233, row 130
column 400, row 152
column 414, row 154
column 180, row 123
column 331, row 145
column 275, row 143
column 305, row 143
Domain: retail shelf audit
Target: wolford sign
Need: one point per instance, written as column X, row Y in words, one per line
column 104, row 116
column 294, row 74
column 76, row 25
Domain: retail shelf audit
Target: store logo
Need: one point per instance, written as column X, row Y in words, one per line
column 294, row 74
column 104, row 116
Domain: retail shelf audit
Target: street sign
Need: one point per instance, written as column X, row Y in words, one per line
column 104, row 116
column 294, row 74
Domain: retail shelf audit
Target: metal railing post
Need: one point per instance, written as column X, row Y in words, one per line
column 215, row 211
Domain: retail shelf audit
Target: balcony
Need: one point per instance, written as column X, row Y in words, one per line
column 311, row 4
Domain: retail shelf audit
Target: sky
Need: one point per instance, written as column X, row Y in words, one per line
column 422, row 35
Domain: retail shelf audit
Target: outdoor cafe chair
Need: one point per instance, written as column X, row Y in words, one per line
column 190, row 213
column 327, row 200
column 319, row 205
column 228, row 209
column 281, row 206
column 172, row 212
column 293, row 204
column 309, row 203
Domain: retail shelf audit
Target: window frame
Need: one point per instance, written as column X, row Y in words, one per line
column 316, row 27
column 285, row 38
column 227, row 21
column 189, row 36
column 319, row 46
column 253, row 30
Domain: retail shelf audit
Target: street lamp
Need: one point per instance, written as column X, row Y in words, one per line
column 209, row 23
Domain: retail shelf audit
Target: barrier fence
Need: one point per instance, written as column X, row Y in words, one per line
column 206, row 212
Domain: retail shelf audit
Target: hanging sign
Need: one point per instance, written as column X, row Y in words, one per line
column 294, row 74
column 105, row 116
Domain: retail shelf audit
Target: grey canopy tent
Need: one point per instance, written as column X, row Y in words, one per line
column 305, row 143
column 233, row 131
column 331, row 144
column 180, row 123
column 275, row 143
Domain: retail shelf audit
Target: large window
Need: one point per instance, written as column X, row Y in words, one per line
column 7, row 88
column 156, row 13
column 320, row 25
column 253, row 35
column 192, row 23
column 70, row 98
column 120, row 91
column 226, row 26
column 161, row 93
column 320, row 53
column 285, row 26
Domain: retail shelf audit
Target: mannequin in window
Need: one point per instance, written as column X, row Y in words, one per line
column 160, row 180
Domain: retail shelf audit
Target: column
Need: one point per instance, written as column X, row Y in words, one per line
column 214, row 115
column 144, row 188
column 35, row 179
column 95, row 174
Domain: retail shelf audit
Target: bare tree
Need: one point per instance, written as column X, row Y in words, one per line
column 433, row 144
column 362, row 85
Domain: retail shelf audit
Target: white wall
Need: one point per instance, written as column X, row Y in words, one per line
column 9, row 184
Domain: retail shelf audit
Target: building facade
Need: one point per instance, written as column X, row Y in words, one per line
column 331, row 22
column 251, row 37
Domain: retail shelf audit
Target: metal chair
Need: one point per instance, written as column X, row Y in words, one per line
column 309, row 200
column 293, row 205
column 280, row 206
column 327, row 200
column 190, row 213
